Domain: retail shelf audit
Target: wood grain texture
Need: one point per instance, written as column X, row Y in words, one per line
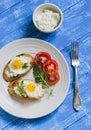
column 16, row 22
column 4, row 4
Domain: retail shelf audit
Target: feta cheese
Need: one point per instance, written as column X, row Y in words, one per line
column 47, row 20
column 16, row 91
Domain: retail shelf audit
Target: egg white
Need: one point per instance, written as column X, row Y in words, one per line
column 13, row 71
column 39, row 92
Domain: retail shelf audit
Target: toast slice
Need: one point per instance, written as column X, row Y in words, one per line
column 11, row 87
column 8, row 77
column 17, row 83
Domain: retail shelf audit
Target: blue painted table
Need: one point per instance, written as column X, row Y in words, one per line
column 16, row 23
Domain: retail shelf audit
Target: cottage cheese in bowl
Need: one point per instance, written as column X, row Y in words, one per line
column 47, row 20
column 47, row 17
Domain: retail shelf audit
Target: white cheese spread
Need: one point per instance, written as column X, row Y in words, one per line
column 16, row 91
column 47, row 20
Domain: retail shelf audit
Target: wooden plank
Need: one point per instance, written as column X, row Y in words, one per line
column 19, row 25
column 84, row 122
column 84, row 51
column 5, row 118
column 76, row 24
column 63, row 4
column 85, row 62
column 64, row 116
column 16, row 23
column 6, row 4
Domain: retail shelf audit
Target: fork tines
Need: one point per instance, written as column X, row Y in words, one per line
column 75, row 50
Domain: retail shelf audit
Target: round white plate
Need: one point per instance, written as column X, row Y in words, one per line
column 28, row 108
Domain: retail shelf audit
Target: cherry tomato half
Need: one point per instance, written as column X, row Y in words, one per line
column 50, row 65
column 54, row 77
column 42, row 57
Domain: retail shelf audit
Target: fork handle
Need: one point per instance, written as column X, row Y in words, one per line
column 77, row 100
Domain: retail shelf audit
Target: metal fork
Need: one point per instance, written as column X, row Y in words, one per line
column 75, row 64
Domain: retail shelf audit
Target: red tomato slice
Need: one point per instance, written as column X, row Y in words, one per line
column 54, row 77
column 42, row 57
column 50, row 65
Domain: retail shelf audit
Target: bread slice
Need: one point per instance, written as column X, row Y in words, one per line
column 11, row 89
column 11, row 78
column 16, row 83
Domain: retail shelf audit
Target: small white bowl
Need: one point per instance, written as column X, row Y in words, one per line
column 48, row 6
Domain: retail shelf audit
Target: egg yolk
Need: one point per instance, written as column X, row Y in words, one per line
column 17, row 64
column 31, row 87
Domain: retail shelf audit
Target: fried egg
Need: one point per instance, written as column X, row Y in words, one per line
column 32, row 89
column 16, row 66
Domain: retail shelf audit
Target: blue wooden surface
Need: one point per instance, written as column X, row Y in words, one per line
column 16, row 23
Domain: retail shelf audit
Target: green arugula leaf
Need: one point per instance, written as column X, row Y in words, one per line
column 45, row 86
column 39, row 74
column 51, row 92
column 21, row 88
column 46, row 76
column 41, row 77
column 25, row 65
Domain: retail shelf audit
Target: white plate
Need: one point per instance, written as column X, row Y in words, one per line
column 27, row 108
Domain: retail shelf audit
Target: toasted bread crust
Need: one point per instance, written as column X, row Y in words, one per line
column 16, row 83
column 11, row 88
column 9, row 79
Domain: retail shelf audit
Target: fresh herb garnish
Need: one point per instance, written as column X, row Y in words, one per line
column 51, row 92
column 39, row 74
column 41, row 77
column 45, row 86
column 25, row 65
column 21, row 88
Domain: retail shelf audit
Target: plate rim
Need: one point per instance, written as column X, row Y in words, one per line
column 47, row 43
